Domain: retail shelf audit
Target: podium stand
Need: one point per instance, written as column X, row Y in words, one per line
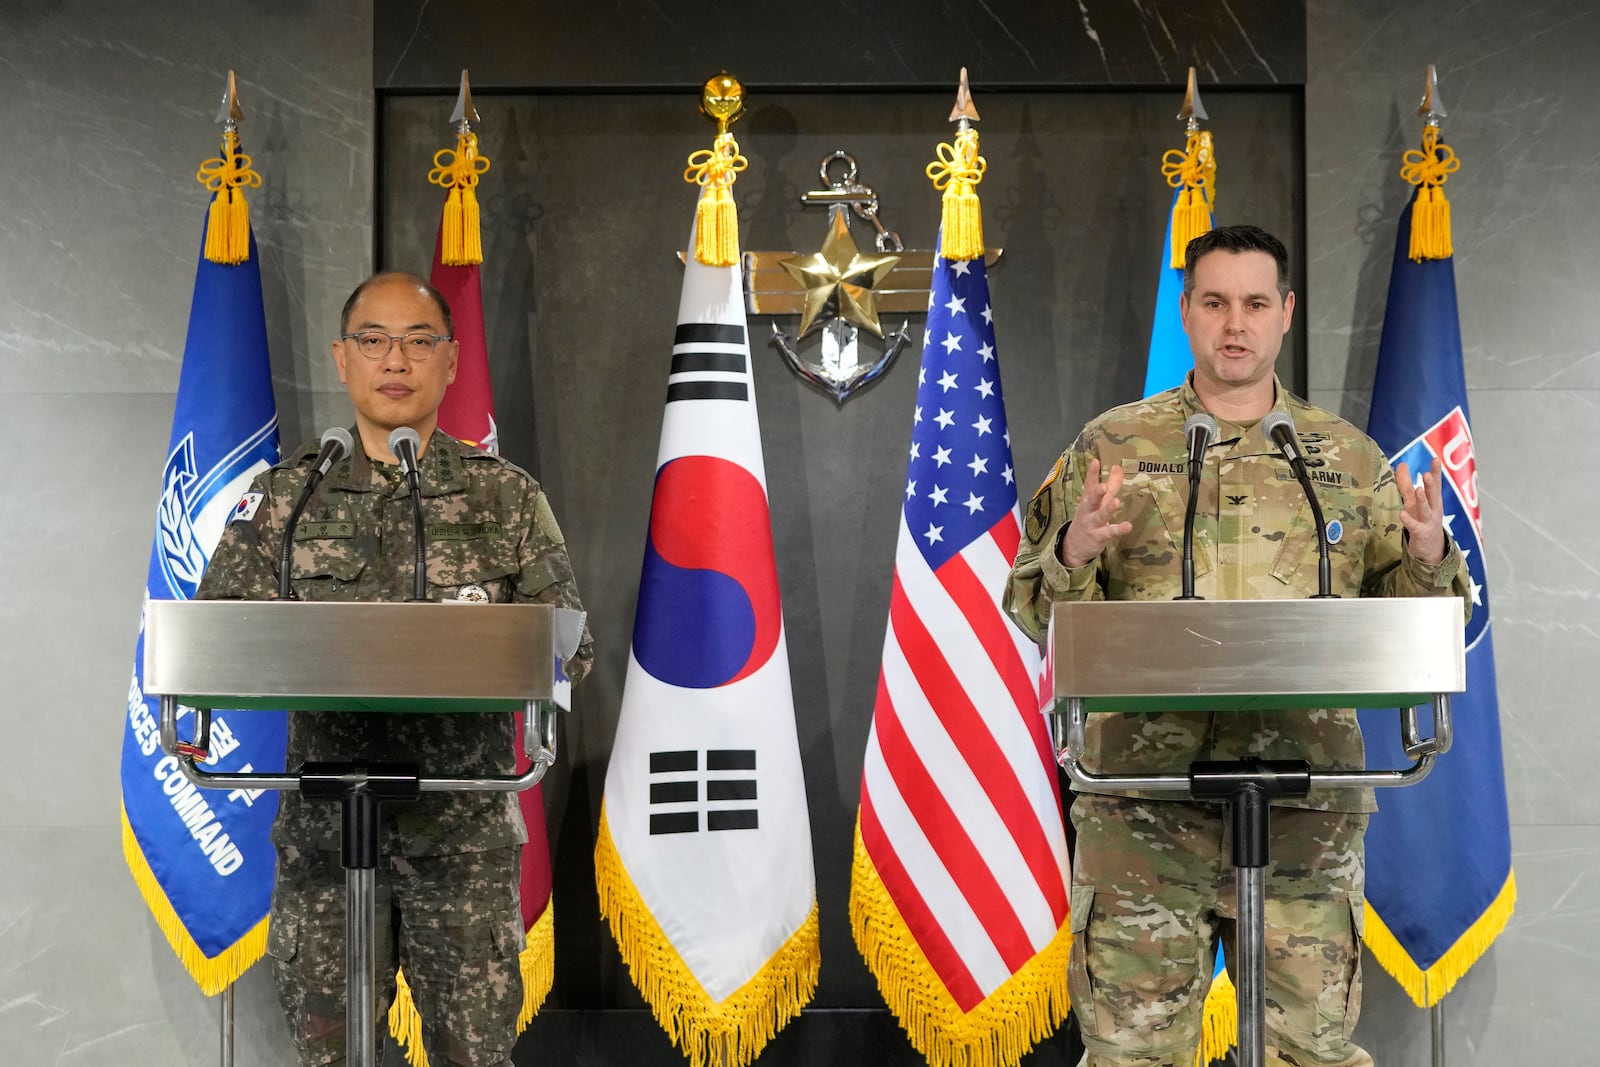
column 1259, row 655
column 414, row 658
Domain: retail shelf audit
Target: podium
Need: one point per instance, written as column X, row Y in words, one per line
column 411, row 658
column 1258, row 655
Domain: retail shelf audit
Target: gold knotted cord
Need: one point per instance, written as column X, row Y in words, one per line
column 714, row 170
column 956, row 172
column 1428, row 170
column 228, row 221
column 1193, row 172
column 460, row 231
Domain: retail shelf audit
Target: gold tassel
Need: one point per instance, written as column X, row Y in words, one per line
column 228, row 219
column 1025, row 1010
column 726, row 1033
column 405, row 1022
column 957, row 171
column 1430, row 211
column 1193, row 172
column 458, row 170
column 1220, row 1028
column 716, row 217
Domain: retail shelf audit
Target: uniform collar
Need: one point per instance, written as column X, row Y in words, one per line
column 441, row 468
column 1234, row 440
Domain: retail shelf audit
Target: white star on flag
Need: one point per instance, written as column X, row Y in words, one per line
column 982, row 425
column 939, row 495
column 956, row 306
column 947, row 381
column 973, row 503
column 979, row 465
column 941, row 456
column 935, row 534
column 945, row 419
column 951, row 343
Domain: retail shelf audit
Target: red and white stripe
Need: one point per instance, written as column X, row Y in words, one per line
column 960, row 814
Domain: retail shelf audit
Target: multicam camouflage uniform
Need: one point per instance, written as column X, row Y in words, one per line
column 452, row 858
column 1150, row 877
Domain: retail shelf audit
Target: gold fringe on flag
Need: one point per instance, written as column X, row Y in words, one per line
column 1427, row 987
column 716, row 217
column 1219, row 1028
column 228, row 223
column 956, row 172
column 1430, row 211
column 727, row 1033
column 538, row 963
column 1193, row 172
column 996, row 1033
column 212, row 974
column 458, row 170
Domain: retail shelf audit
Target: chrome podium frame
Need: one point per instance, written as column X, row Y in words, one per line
column 415, row 658
column 1277, row 655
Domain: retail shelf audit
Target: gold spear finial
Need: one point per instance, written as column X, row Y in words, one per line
column 1432, row 107
column 465, row 113
column 230, row 114
column 964, row 108
column 722, row 100
column 1193, row 112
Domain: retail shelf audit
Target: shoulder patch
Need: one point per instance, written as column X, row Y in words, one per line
column 546, row 520
column 246, row 508
column 1038, row 517
column 1051, row 477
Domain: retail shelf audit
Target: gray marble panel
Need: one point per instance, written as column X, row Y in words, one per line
column 1523, row 233
column 101, row 216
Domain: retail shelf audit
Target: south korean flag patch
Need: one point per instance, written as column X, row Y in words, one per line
column 246, row 508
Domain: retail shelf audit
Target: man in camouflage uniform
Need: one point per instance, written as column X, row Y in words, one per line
column 1152, row 882
column 448, row 893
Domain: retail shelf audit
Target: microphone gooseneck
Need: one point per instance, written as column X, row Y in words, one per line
column 1279, row 428
column 405, row 444
column 1199, row 431
column 336, row 444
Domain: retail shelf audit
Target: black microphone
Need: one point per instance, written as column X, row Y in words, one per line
column 336, row 444
column 1200, row 430
column 1279, row 428
column 405, row 443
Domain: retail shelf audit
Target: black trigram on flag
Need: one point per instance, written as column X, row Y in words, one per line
column 670, row 787
column 710, row 361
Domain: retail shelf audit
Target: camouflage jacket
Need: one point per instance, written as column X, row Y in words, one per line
column 488, row 524
column 1254, row 540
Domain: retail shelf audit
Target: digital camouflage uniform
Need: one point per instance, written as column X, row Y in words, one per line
column 1151, row 877
column 449, row 886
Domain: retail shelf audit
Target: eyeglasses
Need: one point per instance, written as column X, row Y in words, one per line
column 375, row 344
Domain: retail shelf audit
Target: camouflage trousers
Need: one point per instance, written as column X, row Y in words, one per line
column 453, row 922
column 1153, row 890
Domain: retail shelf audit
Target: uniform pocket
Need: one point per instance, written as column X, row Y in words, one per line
column 1358, row 923
column 486, row 562
column 1078, row 981
column 283, row 936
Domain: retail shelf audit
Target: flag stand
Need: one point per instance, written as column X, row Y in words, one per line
column 239, row 654
column 1385, row 652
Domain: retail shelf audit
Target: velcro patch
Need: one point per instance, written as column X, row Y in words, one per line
column 546, row 520
column 246, row 508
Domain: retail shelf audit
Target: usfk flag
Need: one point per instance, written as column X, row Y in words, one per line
column 1170, row 359
column 704, row 856
column 959, row 890
column 1439, row 882
column 202, row 859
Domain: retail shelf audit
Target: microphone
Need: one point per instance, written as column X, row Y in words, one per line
column 1279, row 428
column 1200, row 430
column 405, row 444
column 336, row 444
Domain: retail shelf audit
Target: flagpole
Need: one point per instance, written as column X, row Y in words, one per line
column 1437, row 1015
column 227, row 1027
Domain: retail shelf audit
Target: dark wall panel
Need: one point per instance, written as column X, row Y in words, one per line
column 583, row 209
column 827, row 43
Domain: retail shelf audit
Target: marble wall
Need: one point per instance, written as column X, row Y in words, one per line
column 1517, row 82
column 108, row 109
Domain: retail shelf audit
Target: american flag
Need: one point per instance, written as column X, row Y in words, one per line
column 959, row 895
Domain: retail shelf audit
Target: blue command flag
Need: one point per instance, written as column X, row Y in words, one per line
column 202, row 859
column 1170, row 357
column 1439, row 882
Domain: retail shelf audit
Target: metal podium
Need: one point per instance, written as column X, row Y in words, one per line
column 1278, row 655
column 423, row 658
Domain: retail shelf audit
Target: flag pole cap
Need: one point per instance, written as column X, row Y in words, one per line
column 1432, row 107
column 1192, row 111
column 964, row 111
column 229, row 113
column 722, row 100
column 465, row 113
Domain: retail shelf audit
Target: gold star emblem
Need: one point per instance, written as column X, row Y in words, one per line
column 839, row 280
